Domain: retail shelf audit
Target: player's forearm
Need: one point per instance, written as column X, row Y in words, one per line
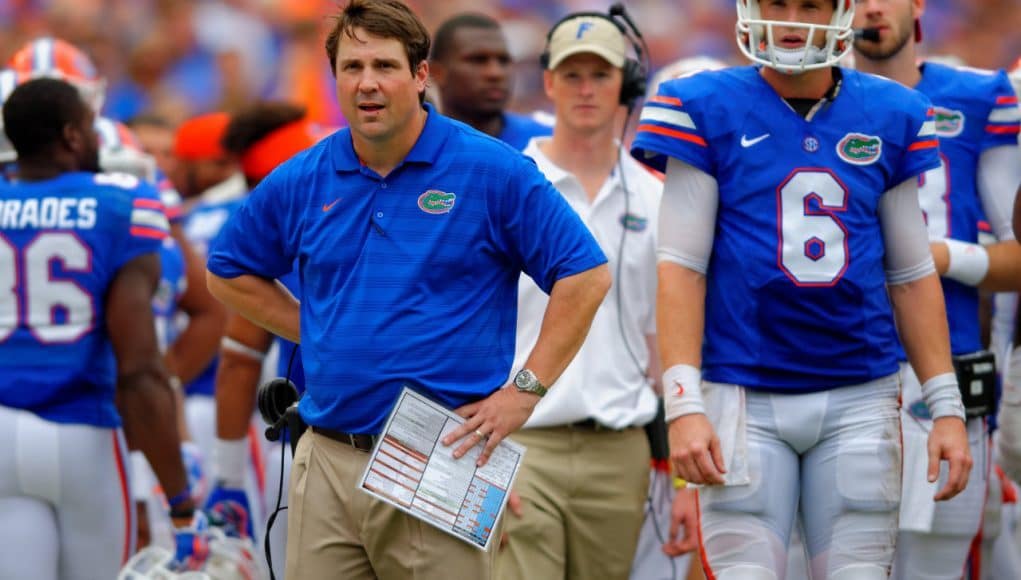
column 265, row 302
column 1004, row 267
column 237, row 379
column 198, row 343
column 922, row 324
column 572, row 305
column 149, row 414
column 242, row 353
column 680, row 315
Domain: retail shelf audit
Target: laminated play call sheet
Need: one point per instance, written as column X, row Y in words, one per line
column 411, row 469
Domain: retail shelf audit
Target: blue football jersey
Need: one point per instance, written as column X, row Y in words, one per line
column 202, row 225
column 796, row 287
column 62, row 243
column 173, row 283
column 974, row 111
column 518, row 130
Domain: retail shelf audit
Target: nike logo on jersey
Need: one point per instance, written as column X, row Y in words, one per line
column 746, row 142
column 328, row 206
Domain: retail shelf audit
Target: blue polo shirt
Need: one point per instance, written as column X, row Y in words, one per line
column 410, row 279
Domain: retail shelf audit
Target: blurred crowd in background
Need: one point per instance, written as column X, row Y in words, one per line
column 178, row 58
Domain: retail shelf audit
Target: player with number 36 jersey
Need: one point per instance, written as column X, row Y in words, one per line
column 78, row 267
column 63, row 242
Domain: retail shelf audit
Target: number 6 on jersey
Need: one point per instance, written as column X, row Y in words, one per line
column 812, row 249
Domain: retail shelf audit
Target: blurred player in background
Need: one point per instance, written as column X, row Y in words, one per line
column 977, row 121
column 471, row 69
column 261, row 136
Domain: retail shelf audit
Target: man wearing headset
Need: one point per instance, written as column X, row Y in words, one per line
column 581, row 491
column 791, row 239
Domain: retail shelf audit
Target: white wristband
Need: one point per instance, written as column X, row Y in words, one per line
column 229, row 344
column 943, row 397
column 229, row 456
column 969, row 263
column 682, row 391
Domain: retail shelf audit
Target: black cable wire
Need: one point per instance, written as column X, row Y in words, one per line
column 651, row 512
column 650, row 506
column 280, row 485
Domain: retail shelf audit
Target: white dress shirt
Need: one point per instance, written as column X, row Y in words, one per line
column 604, row 381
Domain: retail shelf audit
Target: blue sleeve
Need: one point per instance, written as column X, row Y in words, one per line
column 1004, row 122
column 920, row 144
column 146, row 221
column 672, row 125
column 261, row 238
column 541, row 229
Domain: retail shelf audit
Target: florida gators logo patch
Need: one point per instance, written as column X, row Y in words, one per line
column 949, row 123
column 633, row 222
column 860, row 149
column 435, row 201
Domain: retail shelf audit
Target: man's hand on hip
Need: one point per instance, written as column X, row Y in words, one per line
column 491, row 420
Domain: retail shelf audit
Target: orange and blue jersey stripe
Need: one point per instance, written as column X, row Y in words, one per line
column 1005, row 116
column 148, row 219
column 926, row 138
column 663, row 115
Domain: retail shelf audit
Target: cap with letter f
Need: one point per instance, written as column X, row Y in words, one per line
column 594, row 34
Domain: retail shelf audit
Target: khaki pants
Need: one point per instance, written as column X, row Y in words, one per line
column 337, row 531
column 583, row 494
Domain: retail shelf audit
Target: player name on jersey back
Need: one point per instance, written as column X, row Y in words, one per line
column 62, row 213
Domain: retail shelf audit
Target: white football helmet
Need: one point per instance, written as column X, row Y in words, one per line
column 121, row 152
column 755, row 38
column 229, row 559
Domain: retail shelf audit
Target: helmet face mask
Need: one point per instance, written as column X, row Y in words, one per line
column 757, row 39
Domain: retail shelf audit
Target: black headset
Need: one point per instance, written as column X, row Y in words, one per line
column 634, row 72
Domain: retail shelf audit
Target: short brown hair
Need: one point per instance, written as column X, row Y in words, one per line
column 385, row 19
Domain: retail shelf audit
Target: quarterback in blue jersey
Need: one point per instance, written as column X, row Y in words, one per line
column 471, row 67
column 977, row 120
column 410, row 232
column 79, row 260
column 790, row 241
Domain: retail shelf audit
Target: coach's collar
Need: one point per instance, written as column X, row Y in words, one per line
column 426, row 149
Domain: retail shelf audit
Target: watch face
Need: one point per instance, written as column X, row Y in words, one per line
column 522, row 379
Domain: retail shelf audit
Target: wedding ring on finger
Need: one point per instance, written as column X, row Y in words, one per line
column 481, row 434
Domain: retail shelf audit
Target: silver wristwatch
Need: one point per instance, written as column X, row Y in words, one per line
column 526, row 381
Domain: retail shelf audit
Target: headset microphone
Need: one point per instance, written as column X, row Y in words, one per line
column 867, row 34
column 618, row 10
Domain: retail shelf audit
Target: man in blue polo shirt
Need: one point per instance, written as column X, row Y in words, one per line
column 410, row 232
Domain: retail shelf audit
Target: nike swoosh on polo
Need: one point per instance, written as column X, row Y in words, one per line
column 746, row 142
column 329, row 206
